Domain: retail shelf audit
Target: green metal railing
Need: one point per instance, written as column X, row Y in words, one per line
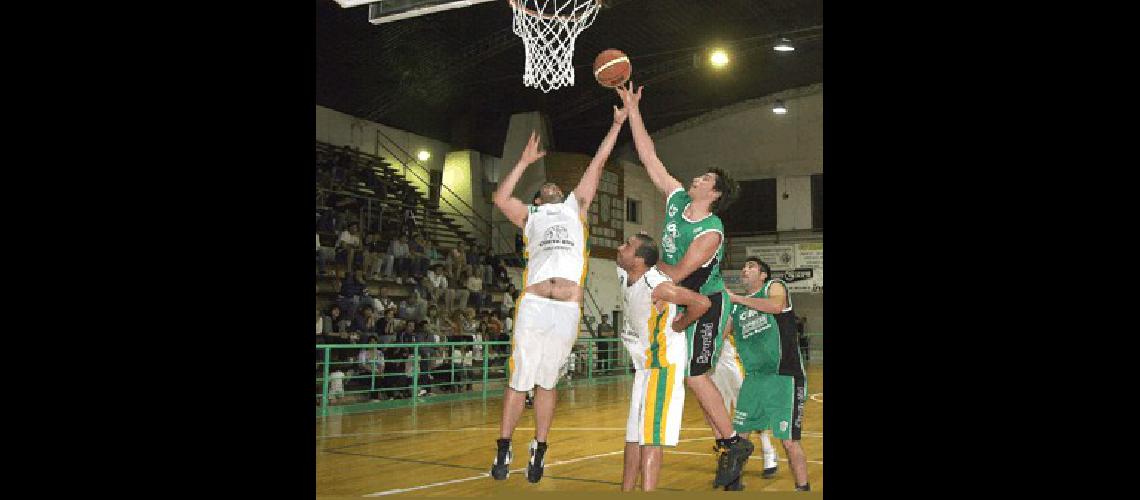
column 446, row 376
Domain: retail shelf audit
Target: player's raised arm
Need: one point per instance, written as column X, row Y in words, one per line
column 512, row 207
column 644, row 144
column 695, row 303
column 589, row 183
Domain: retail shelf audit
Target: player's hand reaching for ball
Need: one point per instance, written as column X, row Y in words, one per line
column 628, row 96
column 620, row 114
column 531, row 153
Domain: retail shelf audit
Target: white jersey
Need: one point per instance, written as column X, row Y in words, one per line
column 648, row 332
column 555, row 237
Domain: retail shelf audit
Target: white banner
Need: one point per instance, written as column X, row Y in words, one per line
column 800, row 266
column 776, row 256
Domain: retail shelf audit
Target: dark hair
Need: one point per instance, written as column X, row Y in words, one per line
column 763, row 266
column 372, row 339
column 727, row 189
column 647, row 250
column 537, row 195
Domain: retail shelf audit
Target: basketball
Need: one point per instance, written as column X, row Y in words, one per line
column 612, row 68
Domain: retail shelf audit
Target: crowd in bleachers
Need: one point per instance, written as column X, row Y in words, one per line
column 383, row 280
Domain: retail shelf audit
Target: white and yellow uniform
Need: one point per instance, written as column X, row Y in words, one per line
column 545, row 329
column 659, row 355
column 728, row 374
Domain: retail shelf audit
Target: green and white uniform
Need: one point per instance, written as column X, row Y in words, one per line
column 775, row 385
column 704, row 335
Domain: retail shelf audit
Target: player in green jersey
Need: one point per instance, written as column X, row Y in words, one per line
column 772, row 395
column 692, row 248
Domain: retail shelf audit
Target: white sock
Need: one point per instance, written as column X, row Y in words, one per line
column 766, row 443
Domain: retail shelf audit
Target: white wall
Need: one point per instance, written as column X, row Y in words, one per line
column 750, row 142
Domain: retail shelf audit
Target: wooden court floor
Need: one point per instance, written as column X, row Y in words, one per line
column 446, row 449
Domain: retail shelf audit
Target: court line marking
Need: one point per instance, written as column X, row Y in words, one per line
column 485, row 474
column 485, row 429
column 522, row 469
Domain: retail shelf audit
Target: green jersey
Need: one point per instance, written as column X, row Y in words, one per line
column 761, row 343
column 679, row 234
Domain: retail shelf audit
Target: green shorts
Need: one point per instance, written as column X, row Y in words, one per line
column 773, row 402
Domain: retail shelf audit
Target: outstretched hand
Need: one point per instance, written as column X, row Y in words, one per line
column 629, row 97
column 620, row 114
column 531, row 153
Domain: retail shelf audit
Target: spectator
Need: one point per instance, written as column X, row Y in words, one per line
column 436, row 284
column 320, row 323
column 382, row 303
column 460, row 367
column 408, row 206
column 352, row 291
column 349, row 247
column 475, row 288
column 374, row 256
column 419, row 259
column 456, row 261
column 607, row 347
column 457, row 300
column 321, row 260
column 398, row 255
column 333, row 322
column 487, row 272
column 336, row 385
column 365, row 322
column 436, row 324
column 371, row 363
column 473, row 328
column 386, row 327
column 805, row 342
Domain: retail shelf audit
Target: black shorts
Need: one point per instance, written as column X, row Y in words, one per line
column 704, row 335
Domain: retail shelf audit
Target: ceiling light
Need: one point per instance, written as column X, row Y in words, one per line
column 423, row 155
column 718, row 58
column 779, row 108
column 783, row 45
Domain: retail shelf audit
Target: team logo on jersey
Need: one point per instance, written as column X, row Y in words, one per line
column 672, row 210
column 556, row 233
column 667, row 242
column 753, row 322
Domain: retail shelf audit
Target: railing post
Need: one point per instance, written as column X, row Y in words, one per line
column 590, row 359
column 415, row 361
column 325, row 390
column 486, row 357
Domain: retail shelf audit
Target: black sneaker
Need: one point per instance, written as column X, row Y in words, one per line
column 736, row 485
column 529, row 402
column 805, row 487
column 500, row 468
column 537, row 461
column 731, row 463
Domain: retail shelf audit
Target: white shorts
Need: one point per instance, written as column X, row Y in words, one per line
column 656, row 405
column 545, row 331
column 728, row 375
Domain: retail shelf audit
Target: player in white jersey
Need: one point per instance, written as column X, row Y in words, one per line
column 549, row 307
column 654, row 335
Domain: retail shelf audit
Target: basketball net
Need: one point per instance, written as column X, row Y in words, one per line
column 548, row 29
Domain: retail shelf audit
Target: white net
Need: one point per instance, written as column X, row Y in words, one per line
column 548, row 29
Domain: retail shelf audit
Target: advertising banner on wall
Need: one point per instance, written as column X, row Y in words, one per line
column 800, row 266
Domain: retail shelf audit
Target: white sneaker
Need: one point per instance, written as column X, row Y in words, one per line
column 423, row 392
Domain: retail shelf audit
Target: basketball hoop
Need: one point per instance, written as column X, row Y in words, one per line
column 548, row 29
